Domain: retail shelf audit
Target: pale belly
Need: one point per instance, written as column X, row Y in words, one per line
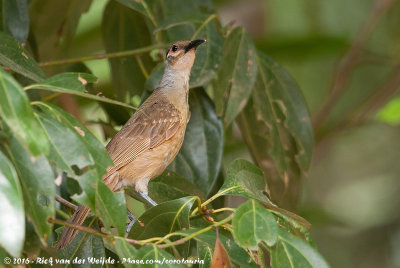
column 151, row 163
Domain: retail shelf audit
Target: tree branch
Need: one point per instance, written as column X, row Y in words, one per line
column 126, row 53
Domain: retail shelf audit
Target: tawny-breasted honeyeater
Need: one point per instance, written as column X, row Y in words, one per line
column 153, row 136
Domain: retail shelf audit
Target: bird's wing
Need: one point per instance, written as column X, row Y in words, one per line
column 152, row 124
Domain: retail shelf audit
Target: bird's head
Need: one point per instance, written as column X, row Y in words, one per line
column 181, row 54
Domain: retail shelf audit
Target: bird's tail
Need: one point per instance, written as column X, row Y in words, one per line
column 69, row 233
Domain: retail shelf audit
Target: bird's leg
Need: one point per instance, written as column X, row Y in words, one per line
column 132, row 221
column 147, row 198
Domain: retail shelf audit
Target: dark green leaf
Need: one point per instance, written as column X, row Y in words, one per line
column 208, row 56
column 205, row 253
column 156, row 257
column 74, row 84
column 62, row 81
column 126, row 29
column 281, row 107
column 169, row 186
column 135, row 5
column 252, row 224
column 292, row 252
column 163, row 219
column 66, row 148
column 12, row 218
column 18, row 114
column 16, row 19
column 85, row 247
column 237, row 75
column 109, row 206
column 55, row 32
column 126, row 252
column 100, row 156
column 18, row 59
column 38, row 188
column 199, row 159
column 237, row 254
column 244, row 179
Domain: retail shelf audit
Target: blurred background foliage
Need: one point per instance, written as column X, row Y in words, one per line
column 344, row 55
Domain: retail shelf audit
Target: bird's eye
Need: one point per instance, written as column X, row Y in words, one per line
column 174, row 48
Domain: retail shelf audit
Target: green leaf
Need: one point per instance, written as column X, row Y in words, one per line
column 174, row 215
column 156, row 257
column 55, row 32
column 12, row 218
column 85, row 247
column 38, row 188
column 74, row 84
column 125, row 29
column 170, row 186
column 208, row 55
column 18, row 59
column 18, row 114
column 199, row 159
column 66, row 148
column 281, row 107
column 292, row 252
column 237, row 254
column 125, row 251
column 244, row 179
column 135, row 5
column 205, row 253
column 237, row 75
column 69, row 81
column 252, row 224
column 16, row 19
column 97, row 150
column 109, row 206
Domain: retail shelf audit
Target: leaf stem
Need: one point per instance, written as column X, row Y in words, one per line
column 118, row 54
column 211, row 17
column 62, row 214
column 183, row 240
column 149, row 14
column 212, row 198
column 221, row 210
column 141, row 66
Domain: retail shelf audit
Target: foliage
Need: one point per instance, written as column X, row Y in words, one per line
column 47, row 152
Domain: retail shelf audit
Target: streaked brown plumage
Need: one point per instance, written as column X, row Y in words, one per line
column 153, row 136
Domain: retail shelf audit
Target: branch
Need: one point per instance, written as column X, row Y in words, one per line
column 350, row 60
column 80, row 228
column 126, row 53
column 91, row 231
column 61, row 200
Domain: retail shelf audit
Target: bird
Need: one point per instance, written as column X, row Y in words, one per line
column 152, row 137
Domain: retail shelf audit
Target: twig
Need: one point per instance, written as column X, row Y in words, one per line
column 211, row 17
column 350, row 60
column 80, row 228
column 378, row 97
column 142, row 68
column 61, row 200
column 186, row 238
column 92, row 231
column 126, row 53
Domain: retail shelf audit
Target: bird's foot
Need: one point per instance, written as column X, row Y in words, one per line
column 148, row 199
column 132, row 221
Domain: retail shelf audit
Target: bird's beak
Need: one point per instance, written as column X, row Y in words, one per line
column 194, row 44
